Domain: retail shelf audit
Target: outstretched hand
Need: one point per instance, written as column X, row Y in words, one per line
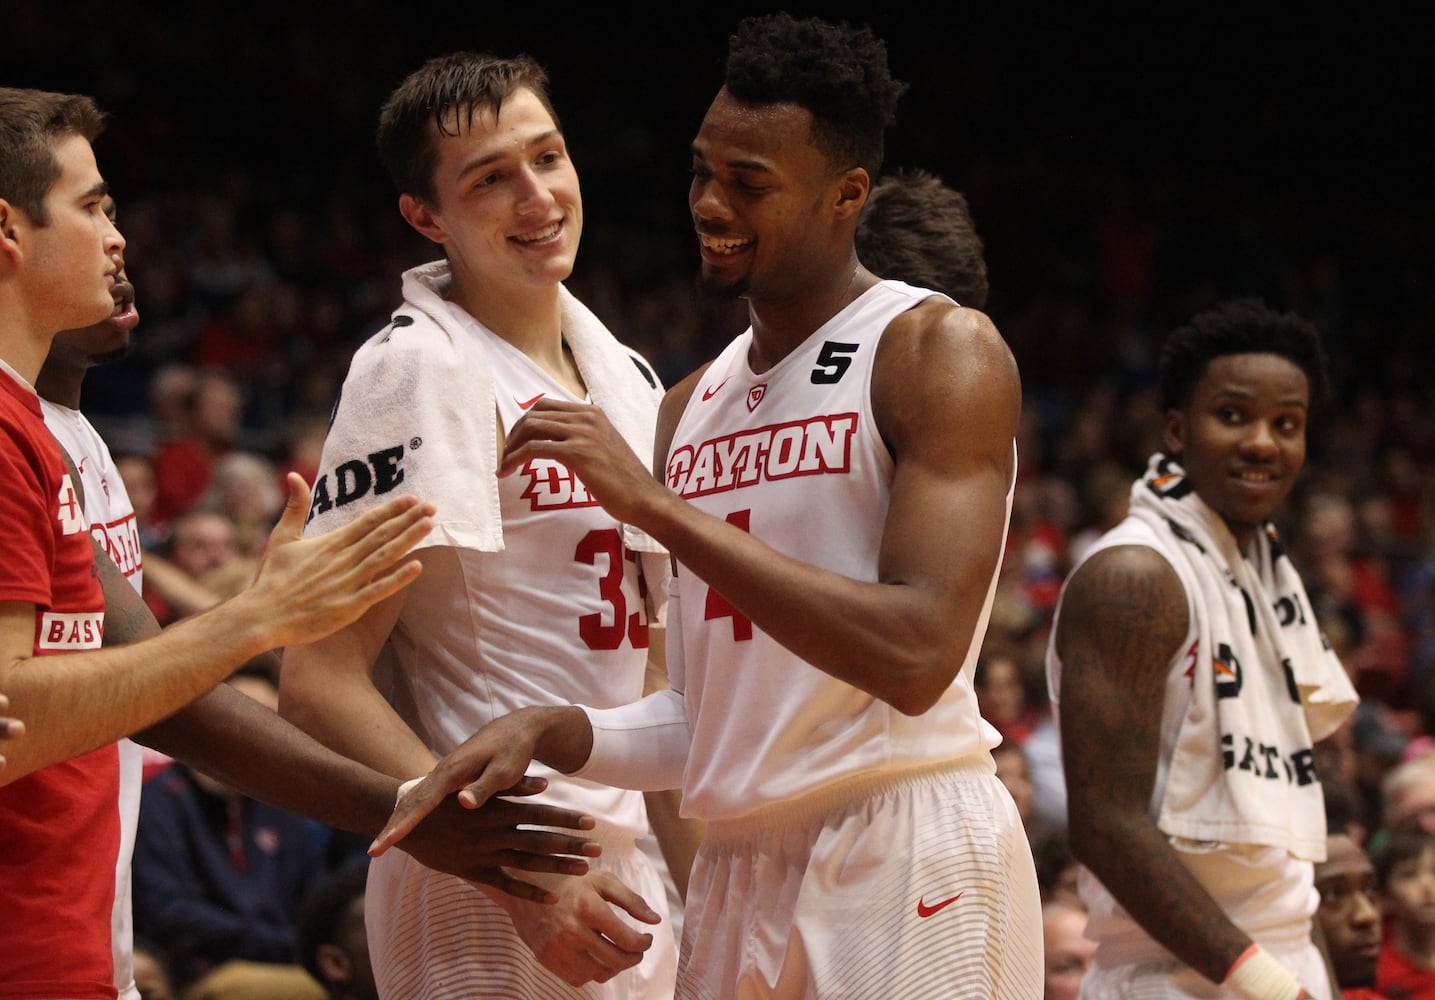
column 309, row 588
column 488, row 762
column 479, row 844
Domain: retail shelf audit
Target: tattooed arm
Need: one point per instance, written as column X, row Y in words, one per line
column 1123, row 618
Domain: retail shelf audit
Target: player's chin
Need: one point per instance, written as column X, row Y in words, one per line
column 721, row 284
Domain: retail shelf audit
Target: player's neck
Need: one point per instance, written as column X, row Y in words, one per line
column 60, row 385
column 780, row 324
column 22, row 344
column 531, row 319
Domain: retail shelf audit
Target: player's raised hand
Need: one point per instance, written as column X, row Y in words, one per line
column 311, row 587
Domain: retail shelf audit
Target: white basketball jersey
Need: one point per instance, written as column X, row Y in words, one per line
column 794, row 456
column 113, row 525
column 556, row 617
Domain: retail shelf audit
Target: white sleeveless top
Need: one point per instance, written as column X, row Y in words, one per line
column 794, row 456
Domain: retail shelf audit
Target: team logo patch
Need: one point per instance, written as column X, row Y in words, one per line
column 754, row 396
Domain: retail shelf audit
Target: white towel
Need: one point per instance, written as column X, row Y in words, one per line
column 417, row 415
column 1243, row 769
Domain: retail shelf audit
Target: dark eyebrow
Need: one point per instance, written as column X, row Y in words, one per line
column 543, row 138
column 742, row 164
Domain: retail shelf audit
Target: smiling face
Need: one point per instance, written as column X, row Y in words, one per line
column 507, row 207
column 761, row 199
column 1241, row 437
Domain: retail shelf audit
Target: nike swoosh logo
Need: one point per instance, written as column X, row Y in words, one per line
column 711, row 391
column 524, row 406
column 923, row 910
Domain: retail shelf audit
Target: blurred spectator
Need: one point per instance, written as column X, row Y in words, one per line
column 136, row 468
column 1013, row 772
column 1002, row 688
column 1048, row 779
column 1405, row 873
column 1348, row 916
column 171, row 394
column 330, row 939
column 202, row 543
column 218, row 879
column 1067, row 948
column 1057, row 869
column 184, row 463
column 1407, row 795
column 246, row 489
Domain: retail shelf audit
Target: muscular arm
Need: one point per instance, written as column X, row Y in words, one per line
column 947, row 399
column 327, row 689
column 1123, row 618
column 75, row 702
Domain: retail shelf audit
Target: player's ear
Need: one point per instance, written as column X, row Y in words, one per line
column 852, row 189
column 9, row 244
column 334, row 963
column 1173, row 433
column 417, row 213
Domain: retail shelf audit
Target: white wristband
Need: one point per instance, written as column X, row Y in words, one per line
column 1256, row 975
column 407, row 787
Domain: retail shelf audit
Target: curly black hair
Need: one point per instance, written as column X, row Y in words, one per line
column 1238, row 326
column 837, row 72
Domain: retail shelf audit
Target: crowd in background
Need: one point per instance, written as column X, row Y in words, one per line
column 259, row 270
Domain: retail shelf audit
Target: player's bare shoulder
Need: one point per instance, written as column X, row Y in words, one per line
column 1124, row 607
column 942, row 361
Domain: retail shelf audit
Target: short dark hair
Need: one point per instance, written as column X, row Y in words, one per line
column 917, row 229
column 1238, row 326
column 455, row 86
column 837, row 72
column 1398, row 846
column 31, row 121
column 322, row 913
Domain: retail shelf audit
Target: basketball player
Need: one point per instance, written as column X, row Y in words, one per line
column 837, row 485
column 533, row 594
